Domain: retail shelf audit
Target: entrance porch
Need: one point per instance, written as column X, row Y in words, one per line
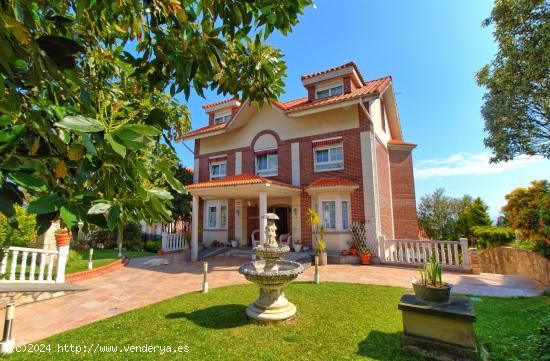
column 232, row 208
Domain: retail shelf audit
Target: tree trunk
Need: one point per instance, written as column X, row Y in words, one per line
column 119, row 239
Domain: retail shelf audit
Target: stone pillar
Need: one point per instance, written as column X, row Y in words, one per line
column 465, row 253
column 262, row 207
column 474, row 260
column 195, row 229
column 61, row 263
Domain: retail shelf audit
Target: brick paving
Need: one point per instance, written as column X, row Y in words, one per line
column 145, row 281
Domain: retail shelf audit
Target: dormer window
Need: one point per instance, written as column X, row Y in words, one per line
column 331, row 91
column 222, row 118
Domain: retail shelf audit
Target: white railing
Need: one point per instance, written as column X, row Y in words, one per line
column 172, row 242
column 450, row 254
column 20, row 256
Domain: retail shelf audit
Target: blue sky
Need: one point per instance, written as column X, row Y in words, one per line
column 432, row 49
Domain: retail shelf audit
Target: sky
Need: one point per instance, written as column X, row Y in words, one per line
column 432, row 49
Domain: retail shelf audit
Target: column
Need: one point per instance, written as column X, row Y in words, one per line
column 262, row 206
column 195, row 229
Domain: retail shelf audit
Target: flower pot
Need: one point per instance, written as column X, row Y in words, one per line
column 62, row 238
column 234, row 244
column 159, row 252
column 344, row 252
column 364, row 258
column 297, row 247
column 322, row 258
column 432, row 294
column 353, row 252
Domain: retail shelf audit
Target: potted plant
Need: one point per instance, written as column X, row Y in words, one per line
column 352, row 249
column 344, row 252
column 297, row 245
column 430, row 287
column 234, row 243
column 365, row 256
column 321, row 252
column 62, row 237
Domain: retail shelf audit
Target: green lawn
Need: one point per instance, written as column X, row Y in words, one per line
column 336, row 321
column 101, row 257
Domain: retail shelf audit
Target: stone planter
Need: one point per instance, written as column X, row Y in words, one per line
column 297, row 247
column 432, row 294
column 62, row 238
column 234, row 244
column 323, row 261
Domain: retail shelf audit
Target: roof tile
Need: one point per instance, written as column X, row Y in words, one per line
column 331, row 182
column 237, row 180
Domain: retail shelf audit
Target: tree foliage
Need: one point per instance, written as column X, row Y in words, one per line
column 86, row 97
column 525, row 210
column 516, row 104
column 475, row 214
column 182, row 201
column 439, row 215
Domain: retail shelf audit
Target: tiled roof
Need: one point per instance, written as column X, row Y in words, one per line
column 210, row 105
column 237, row 180
column 370, row 88
column 331, row 182
column 351, row 63
column 206, row 129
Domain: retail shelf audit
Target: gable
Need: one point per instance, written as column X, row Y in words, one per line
column 251, row 120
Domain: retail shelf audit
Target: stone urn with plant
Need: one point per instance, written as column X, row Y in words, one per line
column 318, row 231
column 297, row 245
column 430, row 287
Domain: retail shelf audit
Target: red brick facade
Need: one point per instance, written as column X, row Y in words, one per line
column 384, row 190
column 403, row 194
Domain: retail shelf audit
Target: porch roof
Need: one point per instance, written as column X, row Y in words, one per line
column 242, row 186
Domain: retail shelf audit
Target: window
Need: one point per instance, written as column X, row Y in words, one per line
column 216, row 214
column 328, row 92
column 329, row 214
column 212, row 216
column 222, row 118
column 218, row 169
column 335, row 213
column 329, row 158
column 267, row 164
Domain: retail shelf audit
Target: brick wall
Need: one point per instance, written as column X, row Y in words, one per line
column 384, row 189
column 310, row 92
column 231, row 219
column 403, row 194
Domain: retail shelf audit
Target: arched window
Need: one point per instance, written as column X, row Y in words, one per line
column 266, row 157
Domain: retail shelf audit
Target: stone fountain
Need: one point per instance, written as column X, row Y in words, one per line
column 270, row 272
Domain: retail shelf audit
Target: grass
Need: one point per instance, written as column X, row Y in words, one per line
column 336, row 321
column 101, row 257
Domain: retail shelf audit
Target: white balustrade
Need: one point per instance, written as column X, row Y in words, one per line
column 44, row 257
column 450, row 254
column 173, row 242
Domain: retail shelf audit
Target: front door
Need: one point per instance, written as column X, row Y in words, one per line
column 283, row 224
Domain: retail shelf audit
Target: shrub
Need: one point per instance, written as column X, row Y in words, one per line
column 153, row 246
column 74, row 256
column 489, row 236
column 542, row 247
column 25, row 236
column 132, row 237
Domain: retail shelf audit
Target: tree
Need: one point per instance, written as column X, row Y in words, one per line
column 516, row 104
column 438, row 214
column 524, row 208
column 86, row 97
column 475, row 214
column 182, row 201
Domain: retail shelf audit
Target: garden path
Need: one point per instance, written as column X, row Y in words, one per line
column 143, row 282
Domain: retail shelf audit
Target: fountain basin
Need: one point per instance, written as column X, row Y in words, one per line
column 284, row 271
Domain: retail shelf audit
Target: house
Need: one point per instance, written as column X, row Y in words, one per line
column 339, row 150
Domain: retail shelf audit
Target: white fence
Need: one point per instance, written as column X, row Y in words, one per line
column 450, row 254
column 173, row 242
column 46, row 260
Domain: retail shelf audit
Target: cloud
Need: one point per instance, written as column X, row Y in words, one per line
column 468, row 164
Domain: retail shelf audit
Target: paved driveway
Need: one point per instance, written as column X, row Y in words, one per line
column 148, row 280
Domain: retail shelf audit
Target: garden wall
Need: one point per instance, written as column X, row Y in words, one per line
column 513, row 261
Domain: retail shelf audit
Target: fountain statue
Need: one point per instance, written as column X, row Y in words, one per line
column 270, row 272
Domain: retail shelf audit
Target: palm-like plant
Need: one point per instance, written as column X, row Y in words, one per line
column 431, row 274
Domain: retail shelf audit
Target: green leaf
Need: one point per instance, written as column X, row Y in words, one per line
column 45, row 204
column 90, row 148
column 43, row 222
column 159, row 193
column 99, row 208
column 114, row 215
column 131, row 130
column 80, row 123
column 27, row 181
column 68, row 216
column 116, row 145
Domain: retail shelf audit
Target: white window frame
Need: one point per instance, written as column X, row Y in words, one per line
column 220, row 223
column 211, row 167
column 339, row 221
column 331, row 90
column 269, row 172
column 328, row 147
column 222, row 117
